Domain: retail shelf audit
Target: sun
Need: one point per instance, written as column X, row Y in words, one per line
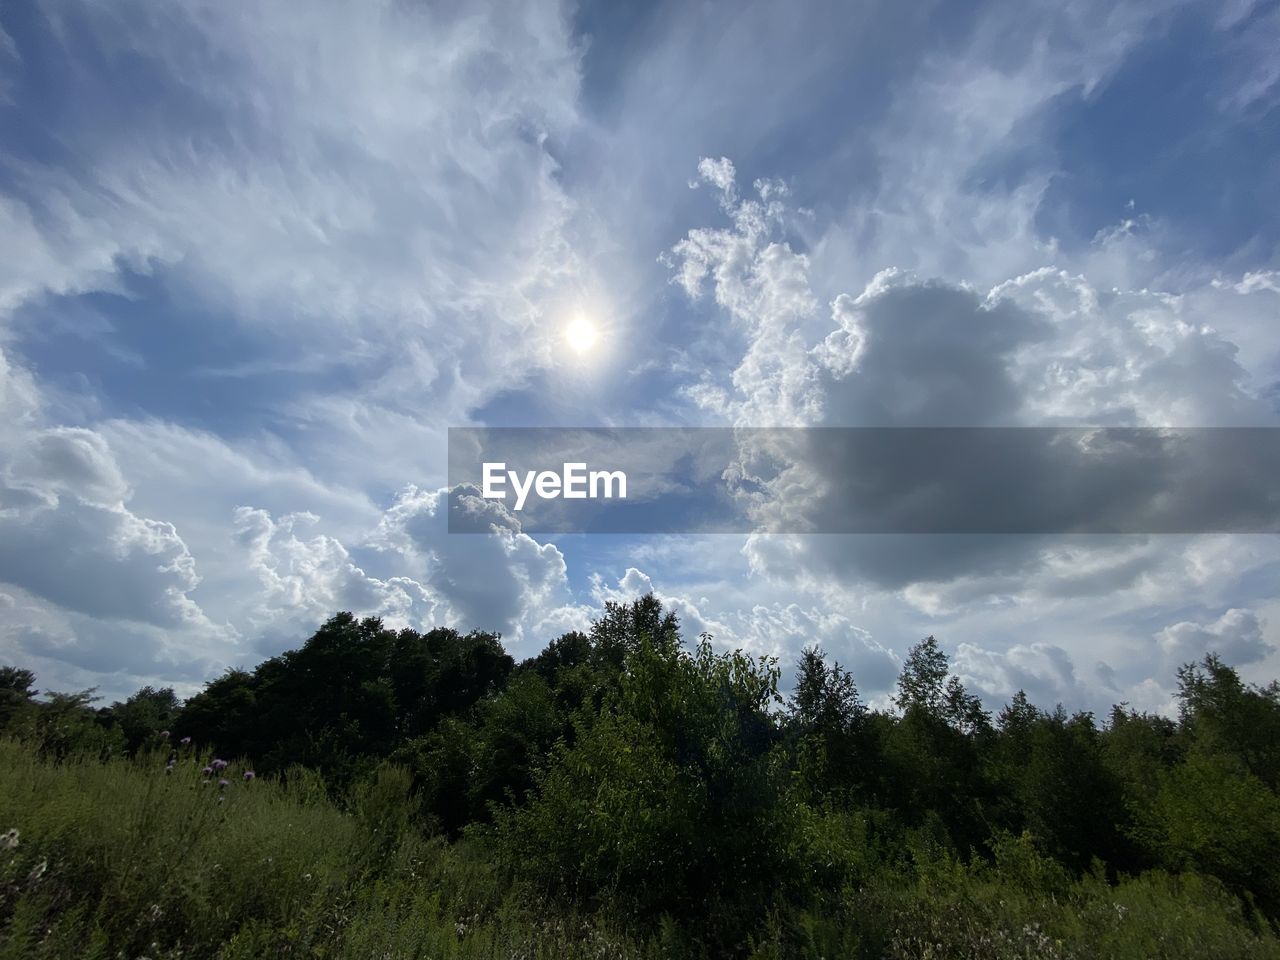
column 581, row 335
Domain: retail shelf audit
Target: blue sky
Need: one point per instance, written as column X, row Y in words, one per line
column 257, row 259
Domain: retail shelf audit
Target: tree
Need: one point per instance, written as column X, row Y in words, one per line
column 1221, row 714
column 350, row 696
column 145, row 714
column 1210, row 815
column 625, row 626
column 964, row 710
column 1054, row 783
column 932, row 754
column 921, row 685
column 825, row 698
column 66, row 724
column 675, row 800
column 16, row 695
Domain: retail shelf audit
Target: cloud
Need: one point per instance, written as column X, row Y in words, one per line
column 357, row 257
column 492, row 578
column 69, row 460
column 306, row 579
column 408, row 206
column 1043, row 348
column 73, row 651
column 303, row 274
column 1236, row 636
column 67, row 535
column 1044, row 671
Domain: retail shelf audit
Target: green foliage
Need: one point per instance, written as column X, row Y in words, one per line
column 16, row 695
column 64, row 725
column 146, row 716
column 1054, row 782
column 675, row 801
column 922, row 683
column 351, row 696
column 1226, row 716
column 622, row 794
column 1213, row 816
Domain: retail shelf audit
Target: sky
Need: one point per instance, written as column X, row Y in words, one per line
column 257, row 259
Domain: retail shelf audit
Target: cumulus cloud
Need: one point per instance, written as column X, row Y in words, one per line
column 375, row 252
column 1043, row 348
column 67, row 535
column 1236, row 636
column 72, row 651
column 1044, row 671
column 305, row 579
column 494, row 577
column 69, row 460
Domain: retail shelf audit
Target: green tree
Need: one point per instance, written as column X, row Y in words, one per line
column 1222, row 714
column 17, row 694
column 144, row 715
column 1055, row 784
column 922, row 682
column 675, row 801
column 1213, row 816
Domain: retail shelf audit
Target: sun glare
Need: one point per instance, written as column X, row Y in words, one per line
column 581, row 335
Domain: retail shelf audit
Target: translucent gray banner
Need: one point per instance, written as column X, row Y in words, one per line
column 945, row 480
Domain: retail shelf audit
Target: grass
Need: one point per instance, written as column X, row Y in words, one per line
column 120, row 859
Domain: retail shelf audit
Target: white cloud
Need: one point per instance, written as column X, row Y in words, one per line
column 493, row 578
column 1236, row 636
column 1045, row 671
column 307, row 579
column 1044, row 348
column 401, row 214
column 67, row 535
column 400, row 218
column 69, row 460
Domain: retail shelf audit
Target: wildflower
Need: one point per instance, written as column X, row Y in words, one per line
column 9, row 841
column 164, row 734
column 249, row 774
column 185, row 741
column 207, row 771
column 219, row 764
column 222, row 784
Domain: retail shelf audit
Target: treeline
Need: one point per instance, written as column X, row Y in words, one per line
column 625, row 770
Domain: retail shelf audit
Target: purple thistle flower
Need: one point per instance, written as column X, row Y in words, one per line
column 219, row 764
column 164, row 734
column 222, row 784
column 249, row 774
column 185, row 741
column 207, row 771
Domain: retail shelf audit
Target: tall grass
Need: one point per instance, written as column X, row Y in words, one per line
column 120, row 859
